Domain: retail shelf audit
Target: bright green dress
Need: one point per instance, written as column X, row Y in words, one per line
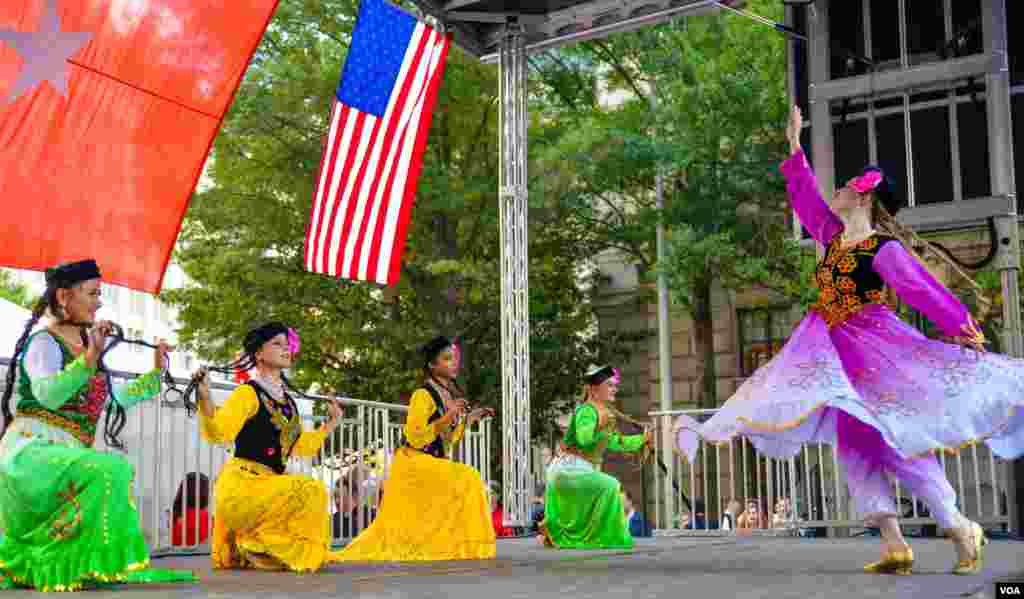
column 582, row 505
column 68, row 515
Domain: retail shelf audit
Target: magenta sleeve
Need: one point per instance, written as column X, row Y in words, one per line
column 810, row 207
column 916, row 286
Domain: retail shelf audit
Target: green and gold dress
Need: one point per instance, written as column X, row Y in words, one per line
column 69, row 519
column 582, row 505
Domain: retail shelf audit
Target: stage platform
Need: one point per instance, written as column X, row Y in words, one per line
column 684, row 568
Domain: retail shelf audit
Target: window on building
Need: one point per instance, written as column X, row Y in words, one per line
column 920, row 32
column 947, row 140
column 1015, row 43
column 763, row 332
column 799, row 62
column 846, row 36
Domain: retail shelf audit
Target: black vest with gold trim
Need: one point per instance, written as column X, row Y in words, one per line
column 847, row 280
column 268, row 436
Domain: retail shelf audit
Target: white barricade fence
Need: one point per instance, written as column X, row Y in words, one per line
column 806, row 494
column 163, row 444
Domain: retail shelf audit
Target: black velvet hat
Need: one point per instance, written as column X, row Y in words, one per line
column 72, row 273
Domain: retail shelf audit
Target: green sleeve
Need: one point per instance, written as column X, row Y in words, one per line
column 625, row 443
column 585, row 425
column 55, row 390
column 141, row 389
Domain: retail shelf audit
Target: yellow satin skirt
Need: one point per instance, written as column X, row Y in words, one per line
column 431, row 510
column 269, row 521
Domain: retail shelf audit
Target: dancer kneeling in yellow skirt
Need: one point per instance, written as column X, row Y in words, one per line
column 266, row 519
column 432, row 508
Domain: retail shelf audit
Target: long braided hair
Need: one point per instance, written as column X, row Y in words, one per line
column 883, row 212
column 48, row 301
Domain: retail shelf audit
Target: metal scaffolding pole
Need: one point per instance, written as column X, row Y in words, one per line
column 515, row 317
column 1000, row 137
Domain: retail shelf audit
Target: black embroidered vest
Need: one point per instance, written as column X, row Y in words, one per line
column 846, row 279
column 268, row 436
column 435, row 447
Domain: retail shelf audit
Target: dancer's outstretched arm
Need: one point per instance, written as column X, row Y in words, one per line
column 587, row 434
column 804, row 195
column 310, row 442
column 146, row 386
column 916, row 286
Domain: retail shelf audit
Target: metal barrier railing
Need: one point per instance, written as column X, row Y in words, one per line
column 806, row 494
column 164, row 446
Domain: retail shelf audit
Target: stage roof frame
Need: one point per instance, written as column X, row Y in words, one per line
column 477, row 25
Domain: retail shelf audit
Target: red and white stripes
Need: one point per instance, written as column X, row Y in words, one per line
column 369, row 170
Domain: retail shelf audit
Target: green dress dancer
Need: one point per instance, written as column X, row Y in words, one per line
column 69, row 519
column 582, row 505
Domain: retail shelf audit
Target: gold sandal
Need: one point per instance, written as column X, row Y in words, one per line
column 967, row 567
column 899, row 562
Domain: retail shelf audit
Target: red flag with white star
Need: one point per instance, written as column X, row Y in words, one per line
column 107, row 112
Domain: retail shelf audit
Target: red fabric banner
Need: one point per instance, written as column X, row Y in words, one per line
column 107, row 112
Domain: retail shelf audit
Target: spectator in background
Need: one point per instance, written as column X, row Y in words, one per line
column 732, row 510
column 537, row 506
column 353, row 489
column 190, row 511
column 699, row 520
column 498, row 514
column 783, row 516
column 638, row 525
column 753, row 517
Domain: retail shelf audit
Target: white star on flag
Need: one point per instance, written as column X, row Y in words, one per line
column 45, row 52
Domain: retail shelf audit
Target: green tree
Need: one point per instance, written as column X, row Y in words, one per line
column 242, row 242
column 704, row 100
column 13, row 291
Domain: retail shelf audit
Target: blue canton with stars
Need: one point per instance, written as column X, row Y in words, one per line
column 381, row 37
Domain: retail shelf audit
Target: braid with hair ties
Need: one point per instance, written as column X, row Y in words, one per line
column 244, row 363
column 48, row 300
column 909, row 239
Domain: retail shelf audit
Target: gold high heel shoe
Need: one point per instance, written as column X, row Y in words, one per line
column 899, row 562
column 967, row 567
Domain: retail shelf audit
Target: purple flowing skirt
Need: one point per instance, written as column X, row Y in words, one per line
column 921, row 395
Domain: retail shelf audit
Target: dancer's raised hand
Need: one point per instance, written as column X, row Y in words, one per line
column 794, row 128
column 334, row 414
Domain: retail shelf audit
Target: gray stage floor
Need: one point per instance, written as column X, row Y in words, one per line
column 685, row 568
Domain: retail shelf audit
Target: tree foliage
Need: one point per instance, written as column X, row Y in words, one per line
column 703, row 102
column 242, row 241
column 15, row 292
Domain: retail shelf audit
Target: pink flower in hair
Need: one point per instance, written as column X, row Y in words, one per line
column 293, row 341
column 866, row 182
column 456, row 354
column 615, row 378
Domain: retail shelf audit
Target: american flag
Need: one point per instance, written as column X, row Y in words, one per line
column 372, row 159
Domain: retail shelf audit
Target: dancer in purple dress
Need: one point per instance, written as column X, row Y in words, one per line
column 855, row 376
